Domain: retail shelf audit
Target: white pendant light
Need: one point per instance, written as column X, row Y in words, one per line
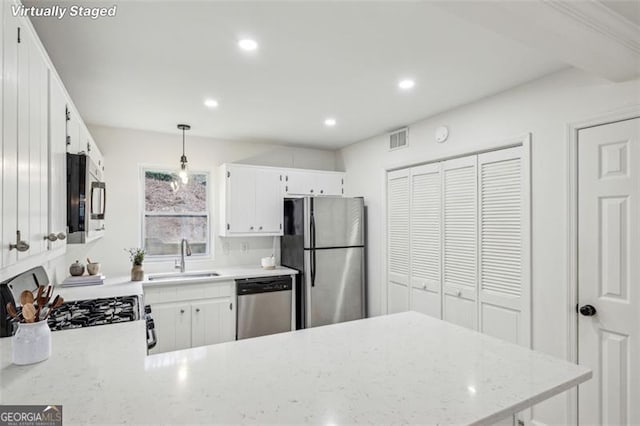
column 184, row 172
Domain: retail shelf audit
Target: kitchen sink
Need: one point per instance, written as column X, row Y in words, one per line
column 182, row 275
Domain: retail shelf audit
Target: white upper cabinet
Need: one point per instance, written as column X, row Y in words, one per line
column 251, row 200
column 252, row 196
column 57, row 166
column 35, row 138
column 313, row 183
column 25, row 143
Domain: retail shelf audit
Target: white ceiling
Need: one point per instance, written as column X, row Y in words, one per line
column 152, row 65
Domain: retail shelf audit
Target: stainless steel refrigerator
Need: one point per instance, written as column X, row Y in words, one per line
column 324, row 239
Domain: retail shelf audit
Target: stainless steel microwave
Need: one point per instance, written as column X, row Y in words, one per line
column 86, row 198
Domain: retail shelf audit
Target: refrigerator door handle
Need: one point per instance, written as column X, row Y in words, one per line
column 313, row 251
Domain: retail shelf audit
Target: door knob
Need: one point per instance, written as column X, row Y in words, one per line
column 51, row 237
column 588, row 310
column 61, row 236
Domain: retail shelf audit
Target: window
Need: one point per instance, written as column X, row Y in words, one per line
column 173, row 211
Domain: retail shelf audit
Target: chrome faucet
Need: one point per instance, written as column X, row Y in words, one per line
column 184, row 244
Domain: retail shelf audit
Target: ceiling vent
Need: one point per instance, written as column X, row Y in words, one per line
column 399, row 139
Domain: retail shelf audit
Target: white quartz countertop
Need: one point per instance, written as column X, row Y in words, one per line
column 123, row 286
column 402, row 368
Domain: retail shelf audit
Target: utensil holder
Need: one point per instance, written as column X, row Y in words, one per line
column 31, row 343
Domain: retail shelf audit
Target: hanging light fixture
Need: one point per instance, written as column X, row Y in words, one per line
column 184, row 172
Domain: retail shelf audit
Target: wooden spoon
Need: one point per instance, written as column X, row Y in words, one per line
column 57, row 302
column 29, row 312
column 12, row 310
column 26, row 297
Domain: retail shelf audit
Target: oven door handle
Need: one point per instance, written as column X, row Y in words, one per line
column 152, row 338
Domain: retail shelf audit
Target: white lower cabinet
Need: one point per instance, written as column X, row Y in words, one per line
column 211, row 322
column 173, row 326
column 191, row 315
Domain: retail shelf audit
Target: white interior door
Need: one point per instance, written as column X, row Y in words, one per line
column 460, row 274
column 503, row 244
column 609, row 272
column 398, row 209
column 426, row 247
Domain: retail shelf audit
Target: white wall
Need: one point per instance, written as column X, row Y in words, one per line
column 543, row 108
column 125, row 150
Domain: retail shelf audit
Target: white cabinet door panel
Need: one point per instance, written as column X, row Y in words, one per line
column 241, row 199
column 57, row 163
column 212, row 322
column 173, row 326
column 10, row 136
column 329, row 184
column 269, row 201
column 298, row 183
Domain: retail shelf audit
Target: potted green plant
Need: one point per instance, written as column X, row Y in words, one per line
column 136, row 256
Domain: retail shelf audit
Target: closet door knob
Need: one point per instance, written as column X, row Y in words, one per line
column 62, row 236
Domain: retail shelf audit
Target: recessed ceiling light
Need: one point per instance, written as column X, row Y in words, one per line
column 330, row 122
column 248, row 44
column 211, row 103
column 406, row 84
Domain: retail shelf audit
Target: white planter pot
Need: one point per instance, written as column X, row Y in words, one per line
column 31, row 343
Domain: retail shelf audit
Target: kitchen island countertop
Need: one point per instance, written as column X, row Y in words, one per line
column 402, row 368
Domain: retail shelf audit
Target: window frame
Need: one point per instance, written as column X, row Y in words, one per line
column 208, row 254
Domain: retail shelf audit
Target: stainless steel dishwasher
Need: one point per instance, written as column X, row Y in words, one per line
column 264, row 306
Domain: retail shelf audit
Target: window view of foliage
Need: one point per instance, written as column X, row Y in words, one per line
column 174, row 211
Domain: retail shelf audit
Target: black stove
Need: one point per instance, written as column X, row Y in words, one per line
column 89, row 313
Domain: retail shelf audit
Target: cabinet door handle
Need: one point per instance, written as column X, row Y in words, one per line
column 197, row 309
column 62, row 236
column 51, row 237
column 260, row 228
column 312, row 191
column 322, row 191
column 182, row 311
column 251, row 228
column 20, row 245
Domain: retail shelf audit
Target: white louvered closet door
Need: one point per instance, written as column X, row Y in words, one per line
column 459, row 186
column 426, row 245
column 504, row 299
column 398, row 231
